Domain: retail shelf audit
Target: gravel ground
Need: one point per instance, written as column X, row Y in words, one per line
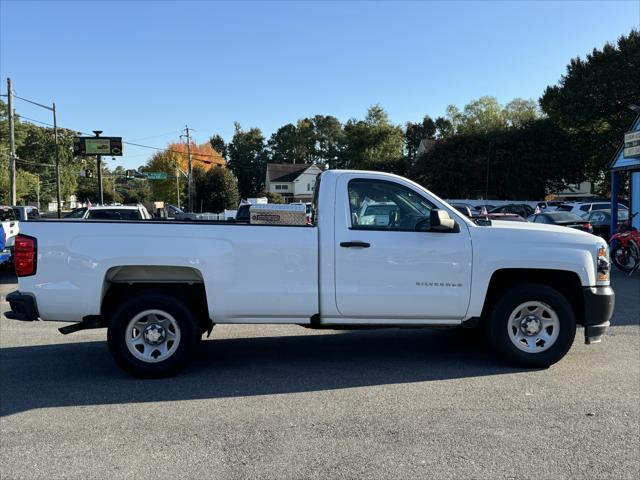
column 285, row 402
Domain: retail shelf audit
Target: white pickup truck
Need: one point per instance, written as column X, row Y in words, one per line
column 158, row 286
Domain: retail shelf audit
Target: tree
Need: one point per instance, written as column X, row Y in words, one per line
column 219, row 145
column 479, row 116
column 215, row 190
column 272, row 197
column 519, row 112
column 35, row 148
column 248, row 160
column 287, row 145
column 174, row 158
column 414, row 133
column 373, row 143
column 590, row 102
column 523, row 163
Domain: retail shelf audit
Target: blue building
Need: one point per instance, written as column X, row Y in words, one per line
column 623, row 165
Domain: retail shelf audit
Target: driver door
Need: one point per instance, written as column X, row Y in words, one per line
column 384, row 268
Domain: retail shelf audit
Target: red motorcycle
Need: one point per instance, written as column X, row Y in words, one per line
column 625, row 247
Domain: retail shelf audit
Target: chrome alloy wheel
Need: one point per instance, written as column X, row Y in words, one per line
column 152, row 336
column 533, row 327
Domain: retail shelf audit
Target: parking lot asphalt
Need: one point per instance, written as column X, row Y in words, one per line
column 285, row 402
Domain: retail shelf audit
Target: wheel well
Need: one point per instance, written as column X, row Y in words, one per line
column 182, row 282
column 567, row 283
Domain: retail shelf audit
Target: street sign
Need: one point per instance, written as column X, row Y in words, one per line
column 157, row 175
column 632, row 144
column 111, row 146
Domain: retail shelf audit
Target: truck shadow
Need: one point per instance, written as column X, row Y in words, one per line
column 75, row 374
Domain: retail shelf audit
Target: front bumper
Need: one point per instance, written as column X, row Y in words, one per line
column 599, row 303
column 23, row 307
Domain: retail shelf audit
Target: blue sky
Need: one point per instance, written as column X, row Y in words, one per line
column 142, row 70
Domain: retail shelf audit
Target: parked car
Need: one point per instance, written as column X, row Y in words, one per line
column 24, row 213
column 507, row 217
column 157, row 286
column 5, row 255
column 552, row 206
column 600, row 220
column 76, row 213
column 464, row 208
column 117, row 212
column 583, row 209
column 10, row 226
column 521, row 209
column 376, row 213
column 565, row 219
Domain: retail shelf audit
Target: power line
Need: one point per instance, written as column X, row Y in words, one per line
column 206, row 155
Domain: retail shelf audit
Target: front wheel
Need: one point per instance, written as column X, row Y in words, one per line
column 532, row 325
column 624, row 257
column 153, row 335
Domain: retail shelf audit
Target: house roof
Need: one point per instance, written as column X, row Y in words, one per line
column 286, row 172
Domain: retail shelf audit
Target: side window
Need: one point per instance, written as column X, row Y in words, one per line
column 585, row 208
column 383, row 205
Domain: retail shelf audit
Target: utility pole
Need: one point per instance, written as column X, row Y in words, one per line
column 55, row 136
column 38, row 190
column 178, row 184
column 189, row 171
column 99, row 168
column 12, row 145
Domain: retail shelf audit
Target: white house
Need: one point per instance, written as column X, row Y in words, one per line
column 295, row 182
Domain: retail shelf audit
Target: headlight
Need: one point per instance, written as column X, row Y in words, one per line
column 602, row 264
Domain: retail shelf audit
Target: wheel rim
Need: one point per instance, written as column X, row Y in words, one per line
column 152, row 336
column 533, row 327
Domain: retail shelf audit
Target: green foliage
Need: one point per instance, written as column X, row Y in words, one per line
column 485, row 114
column 272, row 197
column 169, row 190
column 591, row 101
column 373, row 143
column 248, row 160
column 523, row 163
column 219, row 145
column 311, row 140
column 414, row 133
column 215, row 190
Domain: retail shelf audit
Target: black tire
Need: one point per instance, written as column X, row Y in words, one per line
column 628, row 253
column 184, row 317
column 507, row 304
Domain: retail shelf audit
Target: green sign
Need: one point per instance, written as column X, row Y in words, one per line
column 157, row 175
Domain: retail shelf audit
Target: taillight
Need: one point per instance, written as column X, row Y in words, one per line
column 25, row 255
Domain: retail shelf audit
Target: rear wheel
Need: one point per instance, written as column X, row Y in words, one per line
column 153, row 335
column 532, row 325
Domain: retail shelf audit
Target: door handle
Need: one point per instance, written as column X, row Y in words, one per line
column 355, row 244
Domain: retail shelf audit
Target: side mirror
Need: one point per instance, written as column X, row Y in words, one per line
column 440, row 221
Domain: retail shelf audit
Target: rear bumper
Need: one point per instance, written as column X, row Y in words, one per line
column 23, row 307
column 599, row 303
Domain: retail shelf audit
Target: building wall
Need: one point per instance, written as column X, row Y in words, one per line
column 290, row 188
column 305, row 183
